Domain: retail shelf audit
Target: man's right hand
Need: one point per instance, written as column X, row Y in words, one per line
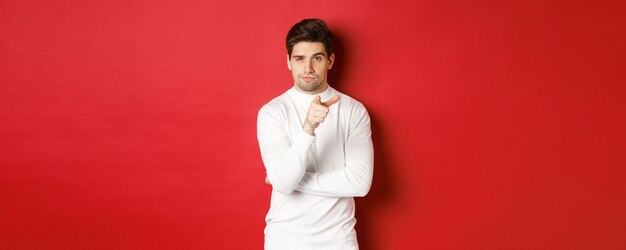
column 317, row 113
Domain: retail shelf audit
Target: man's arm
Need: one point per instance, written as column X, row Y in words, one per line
column 285, row 162
column 355, row 178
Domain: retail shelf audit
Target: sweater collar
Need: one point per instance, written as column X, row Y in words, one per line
column 304, row 100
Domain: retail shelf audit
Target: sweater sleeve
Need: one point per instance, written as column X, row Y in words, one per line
column 285, row 161
column 355, row 178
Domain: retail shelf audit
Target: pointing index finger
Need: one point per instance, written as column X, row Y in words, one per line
column 331, row 101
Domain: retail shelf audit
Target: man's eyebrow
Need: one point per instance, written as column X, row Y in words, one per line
column 314, row 55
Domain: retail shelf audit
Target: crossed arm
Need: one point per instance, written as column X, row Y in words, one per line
column 286, row 162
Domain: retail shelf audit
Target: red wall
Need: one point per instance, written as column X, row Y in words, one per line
column 131, row 124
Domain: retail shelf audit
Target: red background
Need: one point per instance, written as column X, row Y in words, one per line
column 131, row 124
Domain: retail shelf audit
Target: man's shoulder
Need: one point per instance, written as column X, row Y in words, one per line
column 348, row 101
column 276, row 104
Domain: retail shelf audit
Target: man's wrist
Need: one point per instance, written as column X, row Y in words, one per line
column 308, row 129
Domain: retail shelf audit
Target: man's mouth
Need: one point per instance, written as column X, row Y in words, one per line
column 307, row 78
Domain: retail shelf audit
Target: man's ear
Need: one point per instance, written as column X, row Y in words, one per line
column 288, row 62
column 331, row 60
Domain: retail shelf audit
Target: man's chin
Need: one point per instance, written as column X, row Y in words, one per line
column 309, row 87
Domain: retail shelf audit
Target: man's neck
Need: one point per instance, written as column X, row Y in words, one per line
column 323, row 87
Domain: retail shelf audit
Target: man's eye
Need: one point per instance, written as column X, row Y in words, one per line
column 318, row 58
column 298, row 59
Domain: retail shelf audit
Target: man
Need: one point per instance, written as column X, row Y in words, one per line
column 317, row 150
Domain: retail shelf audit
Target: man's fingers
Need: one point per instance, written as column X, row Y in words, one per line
column 318, row 111
column 318, row 119
column 317, row 100
column 332, row 101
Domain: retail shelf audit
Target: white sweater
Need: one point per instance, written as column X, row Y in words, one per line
column 314, row 177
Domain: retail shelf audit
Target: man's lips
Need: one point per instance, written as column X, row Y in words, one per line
column 307, row 78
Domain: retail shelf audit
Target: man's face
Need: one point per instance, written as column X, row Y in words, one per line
column 309, row 65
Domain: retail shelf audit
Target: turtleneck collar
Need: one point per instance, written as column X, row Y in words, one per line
column 304, row 100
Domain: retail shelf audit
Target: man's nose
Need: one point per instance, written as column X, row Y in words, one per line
column 308, row 67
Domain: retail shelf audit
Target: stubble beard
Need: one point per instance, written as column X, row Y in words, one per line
column 309, row 86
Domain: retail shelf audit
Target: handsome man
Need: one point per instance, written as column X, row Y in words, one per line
column 317, row 150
